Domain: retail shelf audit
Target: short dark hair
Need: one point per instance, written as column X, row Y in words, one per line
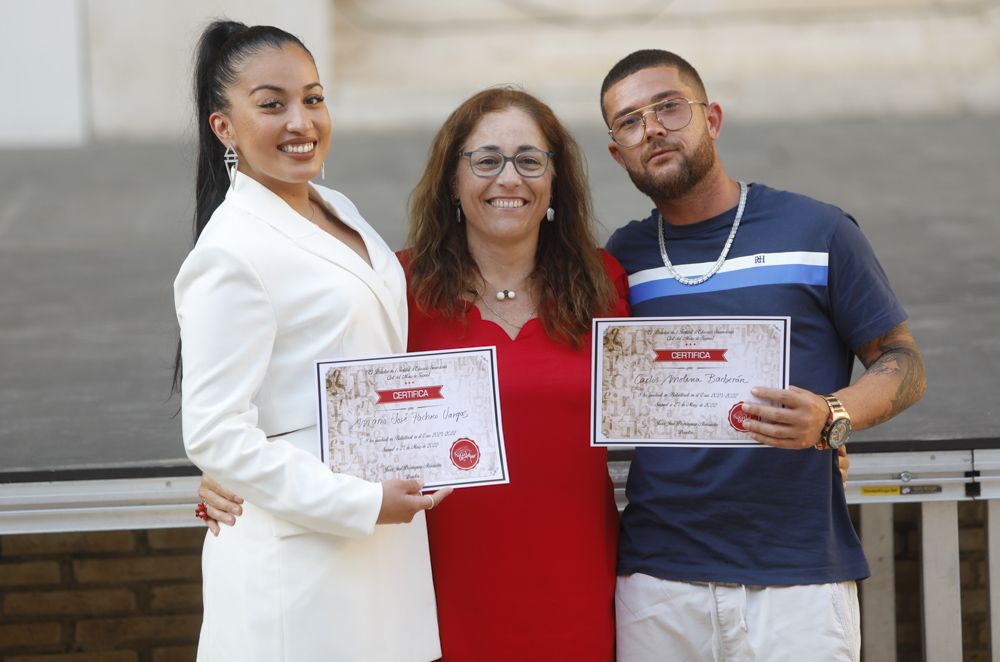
column 647, row 59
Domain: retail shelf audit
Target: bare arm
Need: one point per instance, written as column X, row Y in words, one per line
column 401, row 500
column 894, row 379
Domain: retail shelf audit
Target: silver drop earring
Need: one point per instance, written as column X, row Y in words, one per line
column 550, row 214
column 322, row 171
column 232, row 161
column 458, row 213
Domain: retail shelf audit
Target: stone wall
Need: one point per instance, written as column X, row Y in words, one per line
column 120, row 596
column 124, row 68
column 398, row 62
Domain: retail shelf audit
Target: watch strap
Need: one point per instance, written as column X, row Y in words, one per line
column 837, row 412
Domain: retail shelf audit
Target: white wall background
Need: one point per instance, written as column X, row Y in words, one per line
column 142, row 56
column 43, row 65
column 80, row 70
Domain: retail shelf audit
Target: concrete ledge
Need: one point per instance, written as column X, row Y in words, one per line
column 98, row 505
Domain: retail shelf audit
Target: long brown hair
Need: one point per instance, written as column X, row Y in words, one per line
column 573, row 285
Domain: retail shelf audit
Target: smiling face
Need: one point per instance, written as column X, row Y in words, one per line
column 666, row 164
column 277, row 119
column 507, row 208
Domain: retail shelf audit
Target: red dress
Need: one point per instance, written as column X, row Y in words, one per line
column 526, row 571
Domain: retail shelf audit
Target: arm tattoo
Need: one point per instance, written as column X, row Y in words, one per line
column 895, row 355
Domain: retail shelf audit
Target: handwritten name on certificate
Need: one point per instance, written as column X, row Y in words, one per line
column 434, row 416
column 670, row 381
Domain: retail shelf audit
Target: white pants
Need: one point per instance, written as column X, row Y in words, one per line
column 685, row 621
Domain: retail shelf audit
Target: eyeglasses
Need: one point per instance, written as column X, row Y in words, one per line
column 673, row 115
column 490, row 163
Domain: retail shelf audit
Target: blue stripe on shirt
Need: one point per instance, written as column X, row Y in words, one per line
column 785, row 274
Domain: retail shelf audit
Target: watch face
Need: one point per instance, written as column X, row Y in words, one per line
column 839, row 432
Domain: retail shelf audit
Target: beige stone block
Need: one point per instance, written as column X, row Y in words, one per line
column 974, row 601
column 137, row 569
column 102, row 656
column 29, row 573
column 114, row 633
column 971, row 540
column 68, row 543
column 29, row 634
column 968, row 570
column 69, row 603
column 175, row 654
column 176, row 597
column 176, row 539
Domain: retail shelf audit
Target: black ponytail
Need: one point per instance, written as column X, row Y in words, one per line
column 221, row 52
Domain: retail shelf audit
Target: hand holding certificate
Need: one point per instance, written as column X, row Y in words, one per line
column 682, row 381
column 434, row 416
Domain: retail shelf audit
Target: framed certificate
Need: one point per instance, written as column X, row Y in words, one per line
column 673, row 381
column 434, row 416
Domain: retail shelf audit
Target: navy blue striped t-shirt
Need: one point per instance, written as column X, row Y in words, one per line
column 760, row 516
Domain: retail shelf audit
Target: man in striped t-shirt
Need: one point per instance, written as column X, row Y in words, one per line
column 746, row 553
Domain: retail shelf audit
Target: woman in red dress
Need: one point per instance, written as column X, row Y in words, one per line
column 502, row 253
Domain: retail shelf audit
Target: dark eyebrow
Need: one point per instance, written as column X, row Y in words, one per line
column 268, row 86
column 496, row 148
column 653, row 99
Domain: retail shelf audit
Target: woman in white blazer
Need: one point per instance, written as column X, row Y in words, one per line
column 284, row 273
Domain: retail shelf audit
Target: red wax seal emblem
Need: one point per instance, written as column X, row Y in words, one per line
column 465, row 454
column 737, row 416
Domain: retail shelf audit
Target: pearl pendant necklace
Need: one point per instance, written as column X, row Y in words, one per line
column 506, row 294
column 683, row 280
column 494, row 310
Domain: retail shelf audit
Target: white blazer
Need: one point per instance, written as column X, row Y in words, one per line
column 305, row 574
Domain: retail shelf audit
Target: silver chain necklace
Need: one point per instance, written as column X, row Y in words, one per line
column 493, row 310
column 683, row 280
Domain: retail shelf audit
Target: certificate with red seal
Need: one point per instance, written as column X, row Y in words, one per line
column 682, row 381
column 434, row 416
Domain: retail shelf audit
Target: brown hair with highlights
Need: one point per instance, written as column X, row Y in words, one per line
column 572, row 283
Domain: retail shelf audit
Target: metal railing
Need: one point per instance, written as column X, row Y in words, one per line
column 938, row 480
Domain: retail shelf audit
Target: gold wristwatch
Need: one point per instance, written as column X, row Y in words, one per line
column 837, row 430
